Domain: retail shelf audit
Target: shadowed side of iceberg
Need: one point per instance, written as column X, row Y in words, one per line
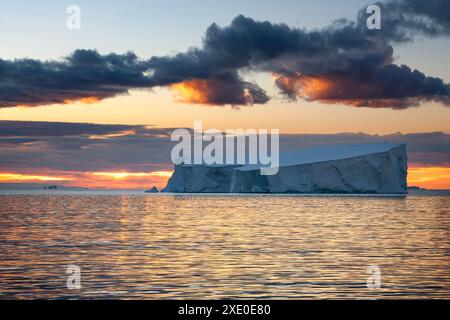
column 201, row 178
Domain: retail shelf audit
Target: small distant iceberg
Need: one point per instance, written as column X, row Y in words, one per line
column 376, row 168
column 154, row 189
column 52, row 187
column 415, row 188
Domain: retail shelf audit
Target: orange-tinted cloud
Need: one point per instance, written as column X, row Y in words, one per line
column 227, row 89
column 375, row 90
column 193, row 91
column 306, row 87
column 85, row 100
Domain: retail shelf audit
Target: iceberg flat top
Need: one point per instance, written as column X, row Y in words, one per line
column 327, row 153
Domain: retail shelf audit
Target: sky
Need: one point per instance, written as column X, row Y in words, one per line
column 324, row 99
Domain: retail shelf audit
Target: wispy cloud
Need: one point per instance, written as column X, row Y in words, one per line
column 84, row 147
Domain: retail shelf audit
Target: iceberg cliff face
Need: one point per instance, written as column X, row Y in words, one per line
column 200, row 178
column 370, row 168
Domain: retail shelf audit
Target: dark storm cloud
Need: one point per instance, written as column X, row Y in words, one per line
column 402, row 20
column 85, row 74
column 247, row 43
column 148, row 149
column 390, row 86
column 342, row 63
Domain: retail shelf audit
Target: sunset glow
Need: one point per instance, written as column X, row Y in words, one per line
column 123, row 180
column 116, row 180
column 15, row 177
column 87, row 100
column 429, row 177
column 425, row 177
column 125, row 175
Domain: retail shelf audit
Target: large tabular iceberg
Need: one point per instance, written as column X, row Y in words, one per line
column 379, row 168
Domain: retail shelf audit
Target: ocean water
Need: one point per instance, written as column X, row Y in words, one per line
column 153, row 246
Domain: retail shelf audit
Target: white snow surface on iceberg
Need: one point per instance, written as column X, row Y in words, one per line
column 326, row 153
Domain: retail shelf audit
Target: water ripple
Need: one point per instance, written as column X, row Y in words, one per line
column 220, row 246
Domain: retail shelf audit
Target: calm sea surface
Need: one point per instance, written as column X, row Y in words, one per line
column 147, row 246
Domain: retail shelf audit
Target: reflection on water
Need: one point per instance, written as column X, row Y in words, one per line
column 221, row 246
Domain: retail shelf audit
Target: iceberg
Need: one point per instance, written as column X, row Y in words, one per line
column 376, row 168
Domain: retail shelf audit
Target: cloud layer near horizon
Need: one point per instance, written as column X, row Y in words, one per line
column 40, row 147
column 343, row 63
